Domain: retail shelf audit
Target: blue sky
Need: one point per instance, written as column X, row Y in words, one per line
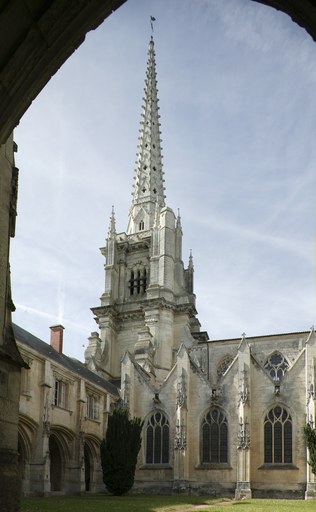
column 236, row 83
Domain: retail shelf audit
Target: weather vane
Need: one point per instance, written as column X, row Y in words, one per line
column 152, row 19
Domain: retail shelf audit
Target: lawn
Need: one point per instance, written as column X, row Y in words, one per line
column 153, row 503
column 137, row 503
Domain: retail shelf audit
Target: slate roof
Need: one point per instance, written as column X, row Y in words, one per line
column 73, row 365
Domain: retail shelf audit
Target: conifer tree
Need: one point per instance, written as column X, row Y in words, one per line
column 310, row 437
column 119, row 451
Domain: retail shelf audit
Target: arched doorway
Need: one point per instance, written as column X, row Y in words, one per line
column 56, row 465
column 87, row 467
column 22, row 460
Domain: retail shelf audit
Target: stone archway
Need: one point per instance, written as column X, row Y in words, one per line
column 22, row 463
column 87, row 467
column 56, row 464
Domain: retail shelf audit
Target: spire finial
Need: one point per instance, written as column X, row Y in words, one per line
column 152, row 19
column 191, row 259
column 112, row 223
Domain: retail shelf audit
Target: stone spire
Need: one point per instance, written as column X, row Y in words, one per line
column 149, row 182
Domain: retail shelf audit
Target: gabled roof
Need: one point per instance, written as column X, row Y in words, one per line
column 26, row 338
column 248, row 338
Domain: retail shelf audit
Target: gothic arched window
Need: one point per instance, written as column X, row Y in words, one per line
column 278, row 436
column 276, row 365
column 214, row 437
column 223, row 365
column 157, row 439
column 141, row 225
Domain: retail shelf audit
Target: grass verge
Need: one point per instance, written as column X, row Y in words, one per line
column 154, row 503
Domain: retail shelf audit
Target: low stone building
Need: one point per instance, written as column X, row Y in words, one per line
column 63, row 418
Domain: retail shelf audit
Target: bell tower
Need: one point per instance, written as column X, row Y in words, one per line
column 148, row 304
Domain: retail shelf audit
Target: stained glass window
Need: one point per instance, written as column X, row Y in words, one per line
column 157, row 439
column 278, row 436
column 276, row 365
column 214, row 437
column 223, row 365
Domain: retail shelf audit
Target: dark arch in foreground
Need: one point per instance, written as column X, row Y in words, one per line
column 37, row 37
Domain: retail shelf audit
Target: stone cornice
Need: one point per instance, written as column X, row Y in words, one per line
column 141, row 308
column 161, row 303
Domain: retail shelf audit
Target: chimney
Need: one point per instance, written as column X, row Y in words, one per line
column 56, row 338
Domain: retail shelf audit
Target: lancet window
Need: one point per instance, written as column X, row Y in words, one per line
column 276, row 365
column 214, row 437
column 138, row 281
column 278, row 436
column 157, row 439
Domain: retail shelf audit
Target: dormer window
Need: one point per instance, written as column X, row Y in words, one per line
column 141, row 225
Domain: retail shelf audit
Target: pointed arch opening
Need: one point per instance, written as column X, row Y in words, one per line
column 157, row 438
column 278, row 436
column 87, row 467
column 223, row 365
column 26, row 437
column 214, row 437
column 56, row 464
column 23, row 464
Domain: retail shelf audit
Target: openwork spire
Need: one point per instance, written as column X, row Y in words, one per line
column 149, row 182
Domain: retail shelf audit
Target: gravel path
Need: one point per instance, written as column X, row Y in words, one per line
column 193, row 508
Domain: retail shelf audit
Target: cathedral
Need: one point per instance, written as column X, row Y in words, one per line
column 221, row 417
